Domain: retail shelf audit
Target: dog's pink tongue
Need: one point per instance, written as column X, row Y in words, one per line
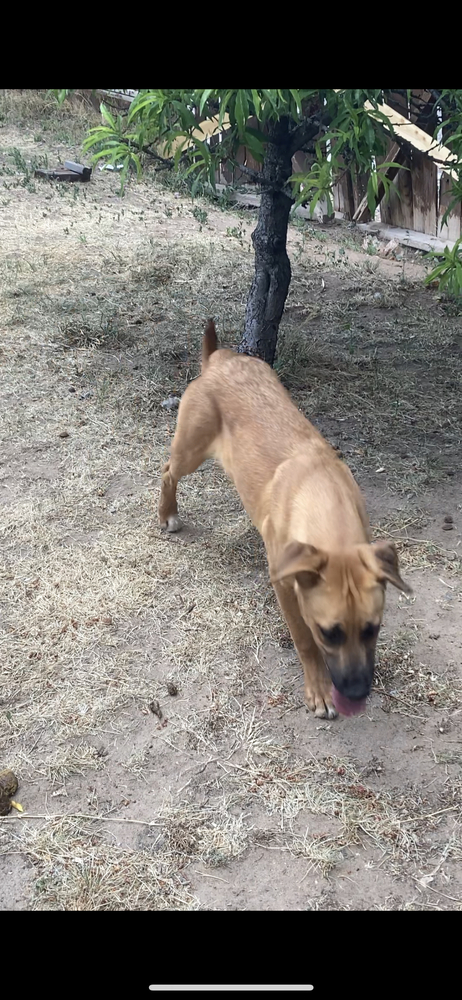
column 346, row 706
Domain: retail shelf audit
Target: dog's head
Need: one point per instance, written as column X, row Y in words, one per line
column 341, row 598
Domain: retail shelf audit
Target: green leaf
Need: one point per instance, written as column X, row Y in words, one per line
column 254, row 145
column 435, row 274
column 204, row 99
column 224, row 102
column 136, row 160
column 314, row 202
column 192, row 167
column 185, row 115
column 444, row 280
column 386, row 166
column 256, row 102
column 271, row 98
column 143, row 100
column 111, row 153
column 107, row 116
column 242, row 112
column 371, row 199
column 298, row 100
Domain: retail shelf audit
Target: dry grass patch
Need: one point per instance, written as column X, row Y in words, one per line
column 103, row 303
column 77, row 870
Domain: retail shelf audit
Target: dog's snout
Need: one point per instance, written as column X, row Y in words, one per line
column 354, row 690
column 354, row 684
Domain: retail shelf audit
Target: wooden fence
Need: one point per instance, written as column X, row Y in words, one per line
column 424, row 189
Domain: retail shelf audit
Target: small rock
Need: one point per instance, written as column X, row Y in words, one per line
column 389, row 248
column 8, row 787
column 71, row 389
column 448, row 519
column 434, row 635
column 171, row 403
column 155, row 708
column 447, row 527
column 444, row 726
column 172, row 689
column 63, row 434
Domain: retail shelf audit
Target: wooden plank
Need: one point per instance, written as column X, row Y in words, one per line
column 300, row 162
column 207, row 128
column 343, row 194
column 419, row 189
column 344, row 201
column 424, row 170
column 239, row 156
column 395, row 155
column 425, row 117
column 453, row 228
column 398, row 209
column 416, row 136
column 424, row 193
column 359, row 188
column 226, row 172
column 252, row 163
column 408, row 237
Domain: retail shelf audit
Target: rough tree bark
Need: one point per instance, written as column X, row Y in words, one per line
column 268, row 292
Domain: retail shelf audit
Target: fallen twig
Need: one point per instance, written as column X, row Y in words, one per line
column 101, row 819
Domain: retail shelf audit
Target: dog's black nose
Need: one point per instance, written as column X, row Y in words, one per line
column 357, row 691
column 356, row 687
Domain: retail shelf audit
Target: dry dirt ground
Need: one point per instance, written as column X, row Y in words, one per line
column 151, row 703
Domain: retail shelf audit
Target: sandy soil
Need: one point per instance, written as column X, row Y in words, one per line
column 151, row 703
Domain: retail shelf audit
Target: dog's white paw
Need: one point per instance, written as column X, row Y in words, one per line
column 326, row 711
column 319, row 701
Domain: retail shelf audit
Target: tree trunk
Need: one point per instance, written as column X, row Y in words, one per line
column 270, row 285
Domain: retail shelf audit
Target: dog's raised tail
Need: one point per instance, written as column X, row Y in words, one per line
column 209, row 342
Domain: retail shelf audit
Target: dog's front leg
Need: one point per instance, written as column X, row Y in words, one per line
column 317, row 681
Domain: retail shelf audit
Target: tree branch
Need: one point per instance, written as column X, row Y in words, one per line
column 256, row 175
column 167, row 163
column 305, row 132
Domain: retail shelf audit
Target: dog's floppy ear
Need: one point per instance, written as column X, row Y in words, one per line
column 300, row 560
column 386, row 558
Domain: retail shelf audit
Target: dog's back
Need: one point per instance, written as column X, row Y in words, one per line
column 251, row 399
column 261, row 430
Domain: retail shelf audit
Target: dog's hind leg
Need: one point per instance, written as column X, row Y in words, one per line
column 197, row 428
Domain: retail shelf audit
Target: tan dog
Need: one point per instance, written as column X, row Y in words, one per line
column 329, row 579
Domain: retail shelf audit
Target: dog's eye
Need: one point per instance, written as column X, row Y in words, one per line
column 333, row 636
column 369, row 631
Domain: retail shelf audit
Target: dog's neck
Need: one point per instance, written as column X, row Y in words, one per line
column 312, row 505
